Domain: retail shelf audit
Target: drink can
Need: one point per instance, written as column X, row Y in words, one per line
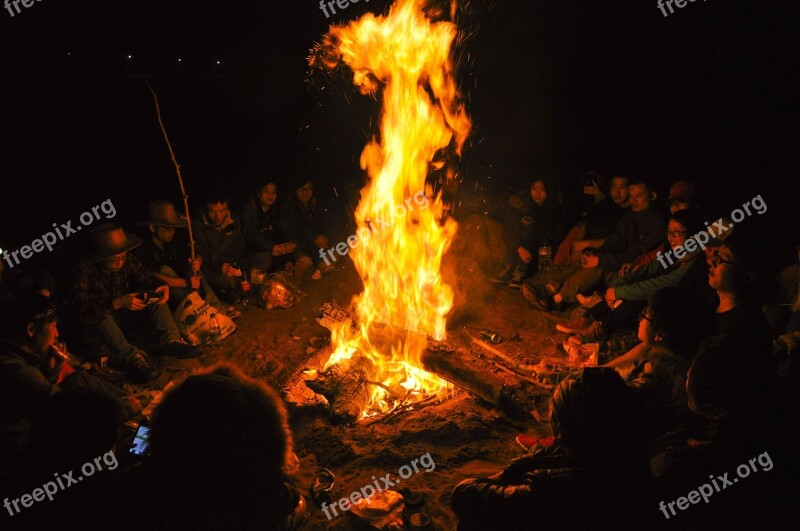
column 491, row 336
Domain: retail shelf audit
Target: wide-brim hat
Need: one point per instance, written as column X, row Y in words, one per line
column 162, row 213
column 109, row 240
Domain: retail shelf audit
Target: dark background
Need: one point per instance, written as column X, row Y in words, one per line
column 708, row 93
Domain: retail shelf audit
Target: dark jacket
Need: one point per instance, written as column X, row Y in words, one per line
column 636, row 234
column 24, row 389
column 539, row 491
column 263, row 230
column 602, row 218
column 549, row 221
column 219, row 245
column 302, row 223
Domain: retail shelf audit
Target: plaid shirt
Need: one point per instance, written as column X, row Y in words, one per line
column 95, row 288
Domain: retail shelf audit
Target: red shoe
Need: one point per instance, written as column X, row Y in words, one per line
column 527, row 442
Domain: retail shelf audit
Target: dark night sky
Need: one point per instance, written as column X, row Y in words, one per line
column 708, row 93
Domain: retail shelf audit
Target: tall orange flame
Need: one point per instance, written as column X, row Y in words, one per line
column 402, row 237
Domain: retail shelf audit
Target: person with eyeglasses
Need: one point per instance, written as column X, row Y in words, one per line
column 731, row 273
column 628, row 293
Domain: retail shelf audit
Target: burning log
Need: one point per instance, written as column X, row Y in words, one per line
column 461, row 368
column 346, row 390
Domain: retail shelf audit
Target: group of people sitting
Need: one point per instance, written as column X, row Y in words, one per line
column 708, row 387
column 119, row 302
column 57, row 411
column 710, row 384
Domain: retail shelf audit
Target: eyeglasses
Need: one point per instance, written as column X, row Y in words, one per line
column 676, row 233
column 643, row 316
column 716, row 259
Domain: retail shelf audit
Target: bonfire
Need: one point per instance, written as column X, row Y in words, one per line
column 405, row 59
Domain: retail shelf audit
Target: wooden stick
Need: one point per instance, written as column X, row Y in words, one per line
column 177, row 170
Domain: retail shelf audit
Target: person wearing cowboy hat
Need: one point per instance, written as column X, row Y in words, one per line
column 161, row 256
column 113, row 294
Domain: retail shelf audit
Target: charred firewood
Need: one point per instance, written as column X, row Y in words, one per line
column 347, row 388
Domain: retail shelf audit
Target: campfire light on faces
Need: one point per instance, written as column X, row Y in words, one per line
column 405, row 298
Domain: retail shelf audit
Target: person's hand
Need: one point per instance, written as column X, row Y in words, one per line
column 611, row 297
column 195, row 281
column 527, row 220
column 229, row 271
column 289, row 247
column 791, row 341
column 321, row 241
column 164, row 291
column 196, row 264
column 625, row 269
column 589, row 261
column 525, row 255
column 131, row 302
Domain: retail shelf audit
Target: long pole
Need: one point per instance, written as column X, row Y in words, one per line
column 177, row 170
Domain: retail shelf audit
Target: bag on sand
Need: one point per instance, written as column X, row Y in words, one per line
column 277, row 292
column 193, row 317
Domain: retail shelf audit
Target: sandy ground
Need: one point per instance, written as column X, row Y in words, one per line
column 463, row 435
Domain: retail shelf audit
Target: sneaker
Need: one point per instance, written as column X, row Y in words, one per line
column 589, row 301
column 180, row 349
column 527, row 442
column 592, row 333
column 505, row 275
column 142, row 369
column 517, row 275
column 537, row 295
column 576, row 326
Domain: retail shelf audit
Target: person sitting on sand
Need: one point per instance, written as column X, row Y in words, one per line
column 306, row 224
column 599, row 464
column 113, row 296
column 599, row 221
column 265, row 231
column 629, row 293
column 221, row 243
column 535, row 219
column 34, row 366
column 221, row 447
column 637, row 233
column 671, row 327
column 161, row 256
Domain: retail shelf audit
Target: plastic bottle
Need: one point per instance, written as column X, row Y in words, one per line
column 545, row 256
column 215, row 329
